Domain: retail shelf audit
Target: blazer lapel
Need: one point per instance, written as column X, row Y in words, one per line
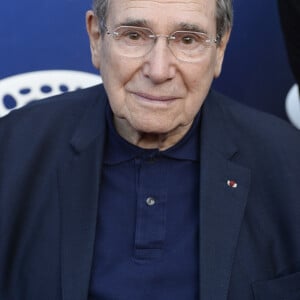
column 223, row 195
column 79, row 180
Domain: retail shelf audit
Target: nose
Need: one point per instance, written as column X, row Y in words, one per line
column 159, row 64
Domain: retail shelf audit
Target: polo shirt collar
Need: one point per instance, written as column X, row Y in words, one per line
column 118, row 150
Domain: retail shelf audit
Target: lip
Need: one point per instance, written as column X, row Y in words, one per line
column 155, row 98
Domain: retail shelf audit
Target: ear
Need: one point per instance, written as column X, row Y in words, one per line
column 221, row 52
column 93, row 30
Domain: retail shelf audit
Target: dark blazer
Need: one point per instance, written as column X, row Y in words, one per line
column 51, row 158
column 289, row 11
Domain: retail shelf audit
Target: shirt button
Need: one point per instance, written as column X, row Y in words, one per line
column 150, row 201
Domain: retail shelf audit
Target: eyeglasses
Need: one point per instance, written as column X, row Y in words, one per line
column 136, row 42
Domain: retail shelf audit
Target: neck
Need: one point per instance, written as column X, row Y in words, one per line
column 146, row 140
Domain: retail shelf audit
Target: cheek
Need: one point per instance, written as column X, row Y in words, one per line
column 198, row 82
column 117, row 70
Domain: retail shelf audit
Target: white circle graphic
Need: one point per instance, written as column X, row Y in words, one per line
column 292, row 106
column 18, row 90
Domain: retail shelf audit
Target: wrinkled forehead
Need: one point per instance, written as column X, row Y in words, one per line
column 163, row 11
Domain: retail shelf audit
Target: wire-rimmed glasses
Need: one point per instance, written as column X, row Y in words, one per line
column 134, row 42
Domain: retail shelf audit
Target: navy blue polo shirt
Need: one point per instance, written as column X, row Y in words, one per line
column 146, row 243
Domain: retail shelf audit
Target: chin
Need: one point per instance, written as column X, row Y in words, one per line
column 152, row 127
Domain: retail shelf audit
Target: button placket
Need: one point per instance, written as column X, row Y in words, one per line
column 151, row 211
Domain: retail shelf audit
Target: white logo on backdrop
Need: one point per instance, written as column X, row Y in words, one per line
column 18, row 90
column 292, row 106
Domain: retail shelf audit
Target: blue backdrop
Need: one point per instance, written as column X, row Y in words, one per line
column 45, row 35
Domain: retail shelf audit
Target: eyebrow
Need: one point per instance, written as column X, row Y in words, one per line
column 191, row 27
column 134, row 22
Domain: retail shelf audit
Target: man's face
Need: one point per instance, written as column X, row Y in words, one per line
column 156, row 93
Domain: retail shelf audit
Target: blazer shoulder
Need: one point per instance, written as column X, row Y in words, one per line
column 52, row 121
column 70, row 100
column 59, row 108
column 259, row 133
column 254, row 120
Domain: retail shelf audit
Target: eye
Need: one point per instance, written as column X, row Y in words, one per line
column 133, row 34
column 189, row 38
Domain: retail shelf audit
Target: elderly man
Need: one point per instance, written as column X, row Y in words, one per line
column 150, row 186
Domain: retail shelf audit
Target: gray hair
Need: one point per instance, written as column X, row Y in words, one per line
column 224, row 14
